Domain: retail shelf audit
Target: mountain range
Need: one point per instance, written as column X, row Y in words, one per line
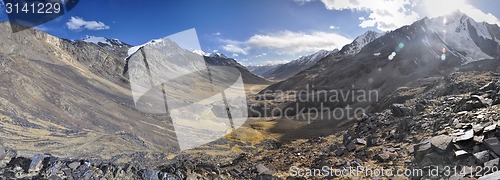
column 72, row 98
column 279, row 72
column 428, row 47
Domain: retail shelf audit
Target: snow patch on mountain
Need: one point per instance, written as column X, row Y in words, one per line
column 360, row 42
column 217, row 55
column 96, row 40
column 134, row 49
column 103, row 41
column 455, row 31
column 201, row 52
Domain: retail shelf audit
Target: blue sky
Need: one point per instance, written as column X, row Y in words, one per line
column 255, row 31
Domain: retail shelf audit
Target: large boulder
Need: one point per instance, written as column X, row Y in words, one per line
column 400, row 110
column 2, row 152
column 441, row 143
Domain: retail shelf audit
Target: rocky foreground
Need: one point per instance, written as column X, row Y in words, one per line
column 446, row 127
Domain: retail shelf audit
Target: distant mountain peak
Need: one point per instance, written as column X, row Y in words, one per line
column 284, row 71
column 201, row 52
column 468, row 39
column 103, row 41
column 360, row 42
column 217, row 55
column 212, row 55
column 162, row 42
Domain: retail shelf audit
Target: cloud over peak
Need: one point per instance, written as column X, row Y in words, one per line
column 288, row 42
column 388, row 15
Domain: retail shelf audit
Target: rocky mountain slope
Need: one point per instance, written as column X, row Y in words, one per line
column 360, row 42
column 217, row 59
column 438, row 107
column 287, row 70
column 451, row 121
column 68, row 98
column 262, row 69
column 398, row 57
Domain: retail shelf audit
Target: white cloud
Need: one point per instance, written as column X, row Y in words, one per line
column 334, row 27
column 383, row 14
column 432, row 8
column 388, row 15
column 261, row 55
column 217, row 34
column 302, row 2
column 287, row 42
column 236, row 55
column 233, row 48
column 77, row 24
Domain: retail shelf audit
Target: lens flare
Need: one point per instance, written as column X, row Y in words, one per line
column 444, row 50
column 443, row 57
column 393, row 54
column 401, row 45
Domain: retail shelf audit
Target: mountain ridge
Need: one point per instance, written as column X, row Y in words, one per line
column 387, row 63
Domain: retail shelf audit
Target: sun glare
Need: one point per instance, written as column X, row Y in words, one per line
column 443, row 7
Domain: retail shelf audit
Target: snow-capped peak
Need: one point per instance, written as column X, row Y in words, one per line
column 212, row 55
column 134, row 49
column 96, row 40
column 360, row 42
column 367, row 37
column 461, row 32
column 313, row 58
column 201, row 52
column 103, row 41
column 217, row 55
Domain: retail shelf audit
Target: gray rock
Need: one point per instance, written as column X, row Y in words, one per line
column 479, row 139
column 460, row 153
column 482, row 157
column 339, row 152
column 263, row 169
column 490, row 128
column 150, row 174
column 54, row 169
column 492, row 176
column 492, row 163
column 432, row 159
column 493, row 145
column 488, row 87
column 457, row 177
column 74, row 165
column 441, row 143
column 421, row 149
column 383, row 157
column 482, row 100
column 36, row 163
column 467, row 136
column 351, row 147
column 2, row 152
column 471, row 105
column 360, row 141
column 478, row 128
column 373, row 141
column 399, row 110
